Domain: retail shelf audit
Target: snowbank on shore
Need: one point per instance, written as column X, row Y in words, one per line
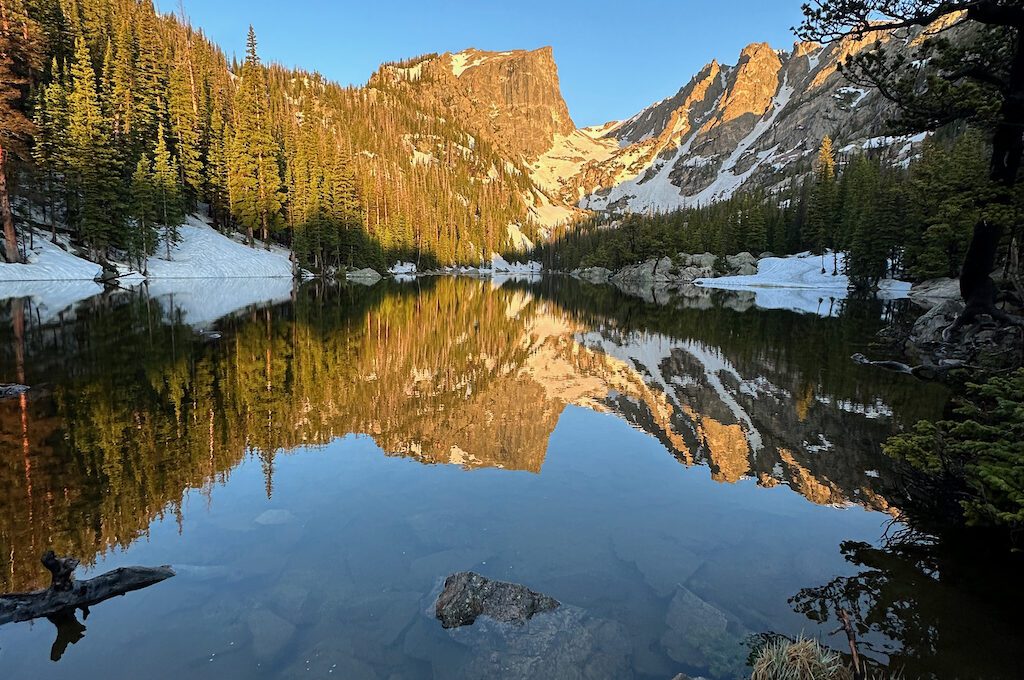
column 203, row 252
column 49, row 262
column 500, row 265
column 803, row 271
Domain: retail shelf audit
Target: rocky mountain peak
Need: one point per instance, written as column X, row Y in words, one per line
column 755, row 82
column 511, row 98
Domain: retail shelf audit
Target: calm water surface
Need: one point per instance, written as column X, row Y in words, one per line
column 674, row 474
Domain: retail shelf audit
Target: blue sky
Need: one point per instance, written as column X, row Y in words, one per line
column 614, row 58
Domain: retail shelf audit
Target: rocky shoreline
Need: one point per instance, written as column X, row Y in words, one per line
column 682, row 270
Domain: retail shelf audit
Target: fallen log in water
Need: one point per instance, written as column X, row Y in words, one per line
column 65, row 594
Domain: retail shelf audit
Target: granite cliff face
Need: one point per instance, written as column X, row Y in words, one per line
column 511, row 98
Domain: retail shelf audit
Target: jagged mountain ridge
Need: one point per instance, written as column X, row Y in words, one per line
column 756, row 123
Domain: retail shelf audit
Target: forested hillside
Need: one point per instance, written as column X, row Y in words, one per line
column 129, row 119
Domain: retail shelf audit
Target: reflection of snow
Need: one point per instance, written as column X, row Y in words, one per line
column 649, row 351
column 878, row 409
column 50, row 298
column 200, row 302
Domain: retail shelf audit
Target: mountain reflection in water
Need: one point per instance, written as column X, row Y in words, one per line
column 133, row 412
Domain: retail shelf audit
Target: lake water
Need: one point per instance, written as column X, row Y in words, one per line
column 673, row 473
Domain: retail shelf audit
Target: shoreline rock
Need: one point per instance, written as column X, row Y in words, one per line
column 366, row 276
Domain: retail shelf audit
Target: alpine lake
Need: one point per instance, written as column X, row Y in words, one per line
column 681, row 474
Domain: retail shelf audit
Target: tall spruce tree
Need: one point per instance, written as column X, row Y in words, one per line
column 19, row 59
column 254, row 173
column 167, row 191
column 92, row 163
column 821, row 211
column 143, row 211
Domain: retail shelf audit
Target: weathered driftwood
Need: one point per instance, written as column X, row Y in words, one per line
column 65, row 594
column 919, row 372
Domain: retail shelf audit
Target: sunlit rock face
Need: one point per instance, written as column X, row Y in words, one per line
column 454, row 373
column 510, row 98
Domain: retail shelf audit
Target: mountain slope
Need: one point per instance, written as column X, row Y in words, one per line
column 757, row 123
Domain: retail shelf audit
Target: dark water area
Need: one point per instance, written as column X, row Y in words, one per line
column 680, row 474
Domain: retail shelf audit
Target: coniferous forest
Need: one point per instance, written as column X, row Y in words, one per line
column 125, row 120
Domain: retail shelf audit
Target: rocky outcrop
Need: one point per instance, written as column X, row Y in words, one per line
column 934, row 291
column 513, row 98
column 592, row 274
column 681, row 270
column 365, row 276
column 929, row 327
column 468, row 595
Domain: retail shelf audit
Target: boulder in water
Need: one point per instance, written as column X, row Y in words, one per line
column 468, row 595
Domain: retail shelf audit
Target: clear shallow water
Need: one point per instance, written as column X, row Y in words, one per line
column 674, row 474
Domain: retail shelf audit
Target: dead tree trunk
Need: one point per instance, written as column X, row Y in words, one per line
column 65, row 594
column 6, row 217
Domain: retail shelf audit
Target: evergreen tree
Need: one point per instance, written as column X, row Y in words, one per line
column 254, row 175
column 19, row 58
column 821, row 209
column 167, row 191
column 144, row 213
column 92, row 164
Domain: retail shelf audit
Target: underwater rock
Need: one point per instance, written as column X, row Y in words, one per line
column 468, row 595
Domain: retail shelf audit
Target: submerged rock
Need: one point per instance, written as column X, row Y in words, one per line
column 568, row 644
column 274, row 517
column 468, row 595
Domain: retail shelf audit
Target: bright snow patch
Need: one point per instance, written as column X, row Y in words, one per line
column 799, row 271
column 204, row 252
column 402, row 268
column 502, row 266
column 798, row 284
column 49, row 262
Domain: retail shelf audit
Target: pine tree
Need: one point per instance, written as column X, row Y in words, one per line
column 51, row 119
column 167, row 191
column 254, row 175
column 91, row 162
column 821, row 211
column 143, row 211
